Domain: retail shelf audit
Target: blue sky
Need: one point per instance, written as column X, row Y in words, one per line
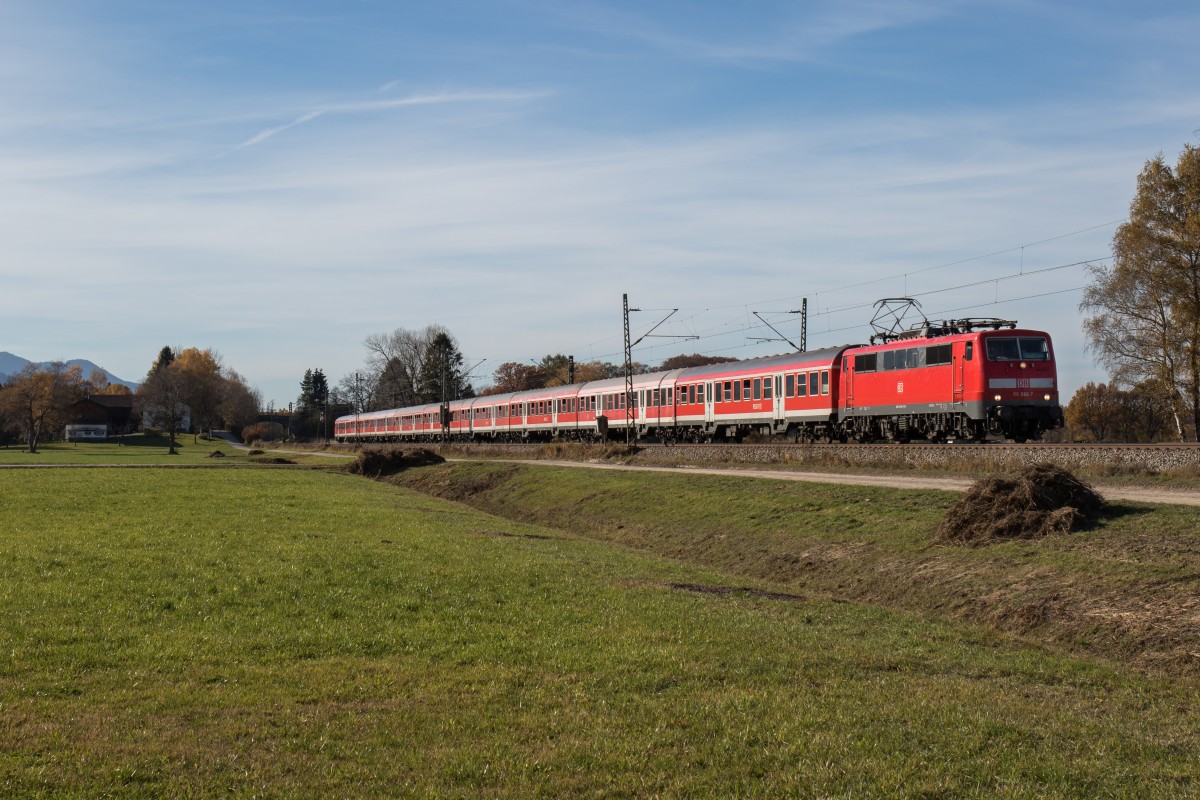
column 278, row 180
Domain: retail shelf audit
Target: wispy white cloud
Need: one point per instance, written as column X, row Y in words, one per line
column 804, row 33
column 373, row 106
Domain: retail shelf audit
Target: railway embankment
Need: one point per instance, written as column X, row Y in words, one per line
column 1179, row 460
column 1125, row 588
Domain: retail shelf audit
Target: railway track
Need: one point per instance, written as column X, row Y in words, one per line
column 1141, row 458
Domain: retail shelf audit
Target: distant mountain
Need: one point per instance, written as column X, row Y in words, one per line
column 11, row 365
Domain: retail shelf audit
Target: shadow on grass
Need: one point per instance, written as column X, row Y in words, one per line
column 1115, row 511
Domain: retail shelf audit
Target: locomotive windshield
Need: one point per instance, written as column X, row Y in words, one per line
column 1017, row 348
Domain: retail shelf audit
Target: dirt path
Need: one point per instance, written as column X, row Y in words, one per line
column 1135, row 494
column 232, row 441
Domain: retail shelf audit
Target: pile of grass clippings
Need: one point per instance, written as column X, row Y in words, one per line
column 215, row 454
column 272, row 460
column 1044, row 499
column 377, row 463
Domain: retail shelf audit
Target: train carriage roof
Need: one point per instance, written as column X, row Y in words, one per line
column 779, row 363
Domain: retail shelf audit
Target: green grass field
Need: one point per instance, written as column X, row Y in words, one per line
column 143, row 450
column 299, row 633
column 132, row 449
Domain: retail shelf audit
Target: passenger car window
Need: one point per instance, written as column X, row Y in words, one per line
column 789, row 383
column 812, row 383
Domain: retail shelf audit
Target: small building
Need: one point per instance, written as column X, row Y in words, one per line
column 87, row 433
column 99, row 416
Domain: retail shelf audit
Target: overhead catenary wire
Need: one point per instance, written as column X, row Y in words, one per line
column 743, row 325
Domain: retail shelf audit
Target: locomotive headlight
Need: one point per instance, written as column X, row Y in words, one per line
column 1023, row 365
column 997, row 398
column 1046, row 397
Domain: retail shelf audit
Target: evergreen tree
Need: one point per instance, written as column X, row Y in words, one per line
column 310, row 405
column 164, row 359
column 441, row 377
column 304, row 402
column 320, row 388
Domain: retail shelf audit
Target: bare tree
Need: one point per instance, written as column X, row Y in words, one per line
column 163, row 399
column 240, row 402
column 393, row 365
column 357, row 388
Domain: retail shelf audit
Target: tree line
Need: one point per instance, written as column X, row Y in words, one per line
column 192, row 385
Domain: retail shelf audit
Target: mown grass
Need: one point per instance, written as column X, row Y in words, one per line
column 152, row 449
column 132, row 449
column 309, row 634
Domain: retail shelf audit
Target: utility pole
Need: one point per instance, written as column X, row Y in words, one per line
column 804, row 325
column 630, row 405
column 571, row 360
column 445, row 411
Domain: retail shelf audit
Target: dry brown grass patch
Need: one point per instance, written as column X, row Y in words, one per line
column 1043, row 499
column 377, row 463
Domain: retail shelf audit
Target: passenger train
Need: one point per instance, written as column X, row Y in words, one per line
column 957, row 380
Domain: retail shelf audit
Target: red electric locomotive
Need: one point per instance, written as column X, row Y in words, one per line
column 952, row 381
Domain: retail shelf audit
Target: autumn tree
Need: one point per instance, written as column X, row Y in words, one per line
column 682, row 361
column 1147, row 414
column 587, row 371
column 556, row 369
column 1093, row 409
column 203, row 385
column 1105, row 412
column 37, row 398
column 1143, row 311
column 513, row 376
